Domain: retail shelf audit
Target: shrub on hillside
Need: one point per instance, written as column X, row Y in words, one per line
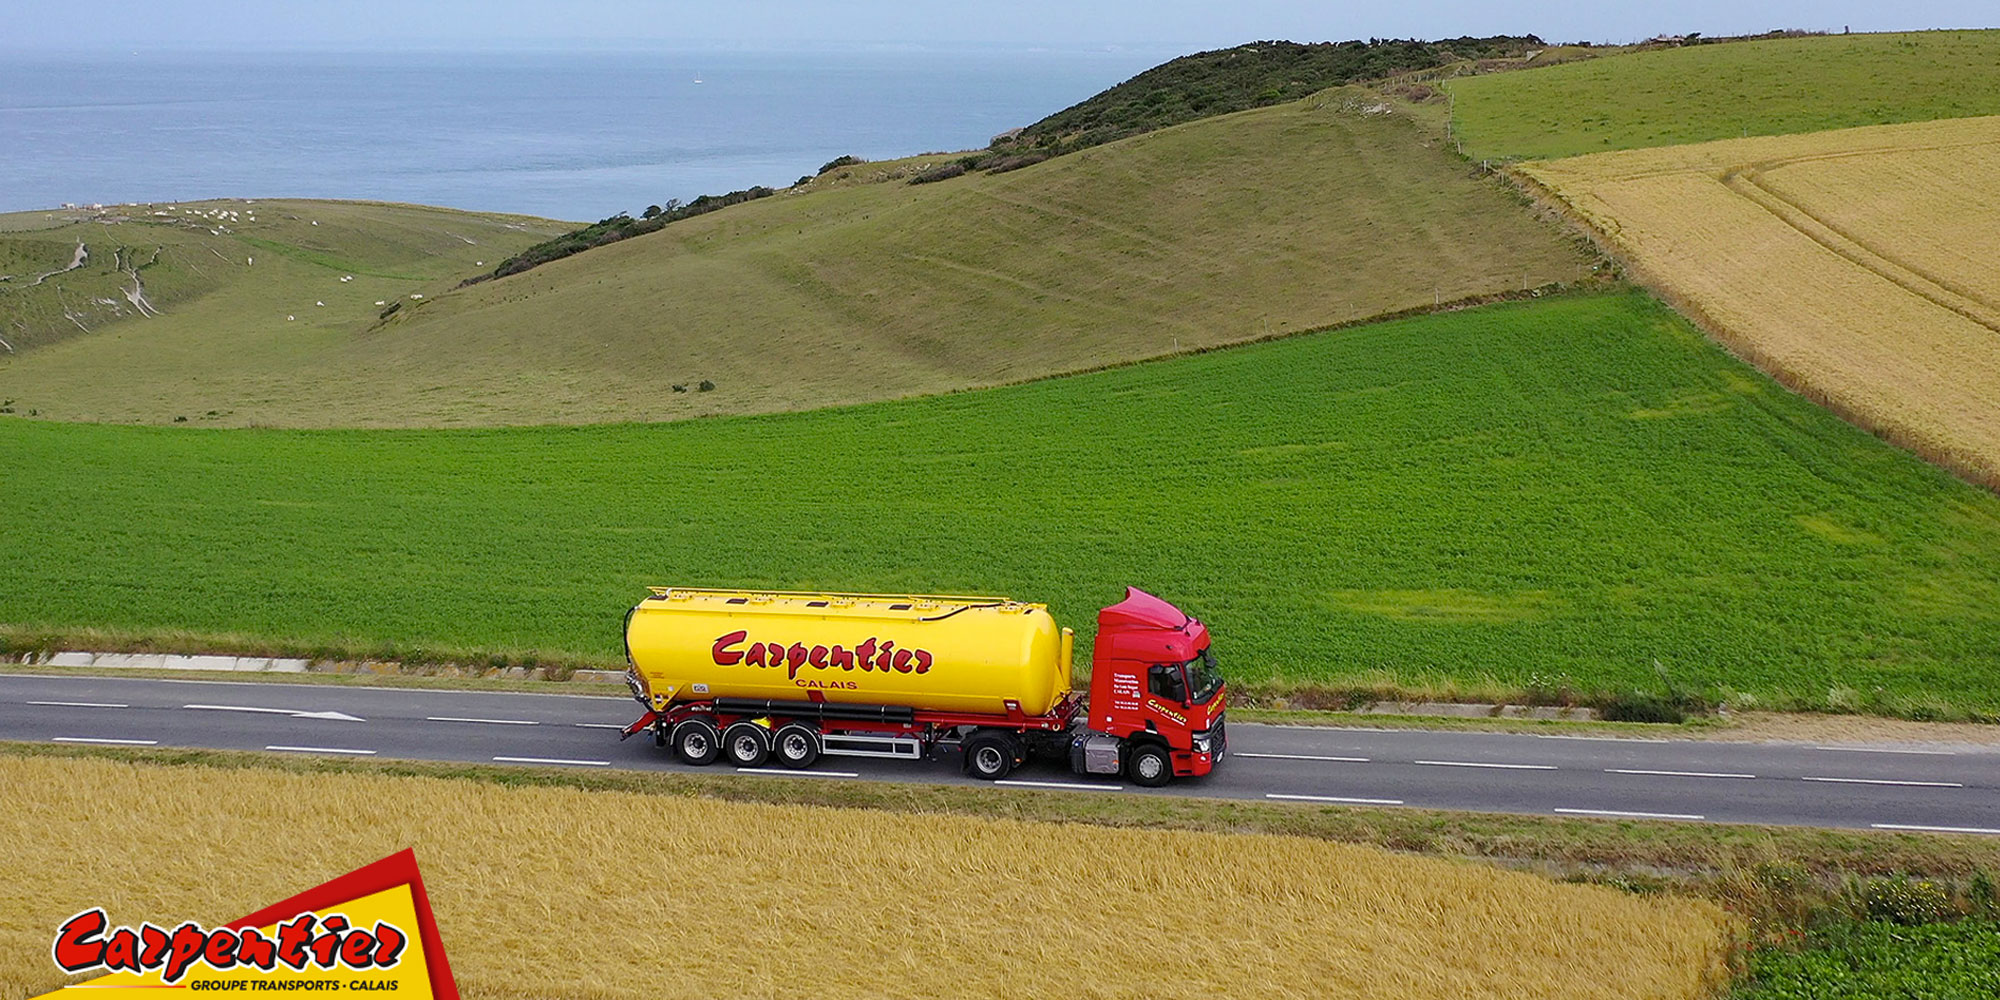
column 838, row 162
column 942, row 172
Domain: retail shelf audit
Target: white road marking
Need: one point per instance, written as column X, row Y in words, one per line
column 788, row 773
column 1603, row 739
column 597, row 725
column 365, row 753
column 1300, row 756
column 1928, row 753
column 553, row 760
column 1933, row 829
column 490, row 722
column 1333, row 798
column 1476, row 763
column 1629, row 815
column 1085, row 786
column 1677, row 774
column 1889, row 781
column 81, row 704
column 94, row 739
column 294, row 713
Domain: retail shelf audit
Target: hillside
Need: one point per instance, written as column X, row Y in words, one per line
column 1727, row 91
column 1247, row 76
column 156, row 272
column 1580, row 495
column 1224, row 230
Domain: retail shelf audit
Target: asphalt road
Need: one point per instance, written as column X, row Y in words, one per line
column 1885, row 787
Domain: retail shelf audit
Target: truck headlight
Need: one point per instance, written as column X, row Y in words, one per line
column 1202, row 741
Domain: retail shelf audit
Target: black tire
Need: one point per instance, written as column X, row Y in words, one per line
column 796, row 745
column 991, row 757
column 746, row 744
column 1149, row 764
column 696, row 742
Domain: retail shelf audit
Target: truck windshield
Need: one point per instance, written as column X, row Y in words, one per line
column 1204, row 679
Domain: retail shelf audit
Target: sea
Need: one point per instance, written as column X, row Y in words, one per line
column 575, row 136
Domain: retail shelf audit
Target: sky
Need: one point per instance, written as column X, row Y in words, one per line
column 1171, row 26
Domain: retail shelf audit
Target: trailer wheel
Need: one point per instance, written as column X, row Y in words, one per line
column 990, row 757
column 696, row 742
column 746, row 744
column 1149, row 764
column 796, row 745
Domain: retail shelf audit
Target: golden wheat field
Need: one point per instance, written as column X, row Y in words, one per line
column 1859, row 266
column 548, row 892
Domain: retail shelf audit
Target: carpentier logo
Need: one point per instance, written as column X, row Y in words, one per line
column 871, row 655
column 307, row 941
column 370, row 930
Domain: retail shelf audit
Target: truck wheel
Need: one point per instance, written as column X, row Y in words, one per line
column 1149, row 764
column 746, row 744
column 696, row 742
column 989, row 757
column 796, row 746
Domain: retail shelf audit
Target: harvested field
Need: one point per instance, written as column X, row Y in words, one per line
column 1861, row 267
column 556, row 892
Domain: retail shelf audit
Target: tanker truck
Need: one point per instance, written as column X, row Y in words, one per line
column 756, row 677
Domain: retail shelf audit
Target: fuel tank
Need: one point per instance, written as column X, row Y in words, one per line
column 934, row 653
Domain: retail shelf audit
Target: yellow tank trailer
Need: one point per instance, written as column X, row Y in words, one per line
column 936, row 653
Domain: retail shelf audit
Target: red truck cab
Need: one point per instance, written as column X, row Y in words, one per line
column 1154, row 687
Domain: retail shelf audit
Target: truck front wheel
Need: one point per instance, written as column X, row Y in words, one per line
column 696, row 742
column 1149, row 764
column 989, row 757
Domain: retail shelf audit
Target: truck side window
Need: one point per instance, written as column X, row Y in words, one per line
column 1165, row 680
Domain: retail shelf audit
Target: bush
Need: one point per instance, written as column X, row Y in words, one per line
column 1637, row 706
column 840, row 161
column 1907, row 901
column 943, row 172
column 1002, row 164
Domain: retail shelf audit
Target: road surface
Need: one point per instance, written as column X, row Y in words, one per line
column 1897, row 787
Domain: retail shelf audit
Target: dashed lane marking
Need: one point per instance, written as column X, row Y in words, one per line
column 81, row 704
column 1889, row 781
column 1078, row 785
column 1478, row 763
column 1625, row 814
column 1301, row 756
column 1333, row 798
column 1677, row 774
column 489, row 722
column 597, row 725
column 553, row 760
column 1927, row 753
column 111, row 742
column 363, row 753
column 788, row 773
column 1933, row 829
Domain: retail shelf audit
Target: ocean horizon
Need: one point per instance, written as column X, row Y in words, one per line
column 577, row 136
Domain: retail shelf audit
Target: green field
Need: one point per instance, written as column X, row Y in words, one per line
column 1725, row 91
column 1545, row 495
column 1223, row 230
column 1875, row 959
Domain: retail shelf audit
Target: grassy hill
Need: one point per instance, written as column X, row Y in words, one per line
column 233, row 266
column 1569, row 495
column 1224, row 230
column 1248, row 76
column 1726, row 91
